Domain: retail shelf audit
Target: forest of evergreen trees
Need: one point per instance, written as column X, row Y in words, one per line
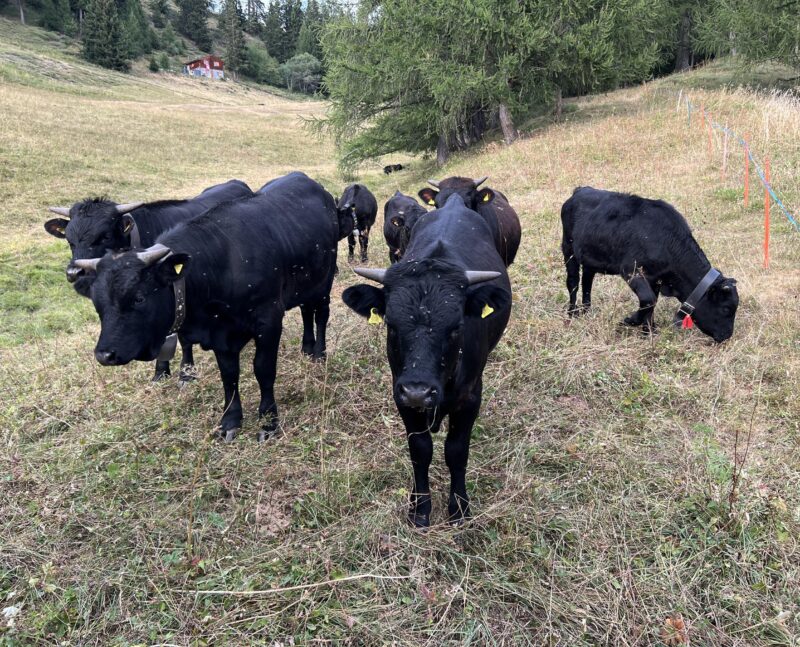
column 434, row 75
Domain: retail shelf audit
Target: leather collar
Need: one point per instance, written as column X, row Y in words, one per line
column 688, row 306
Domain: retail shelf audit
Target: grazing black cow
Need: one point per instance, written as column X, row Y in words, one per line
column 94, row 226
column 222, row 279
column 358, row 201
column 391, row 168
column 649, row 244
column 400, row 214
column 492, row 205
column 441, row 326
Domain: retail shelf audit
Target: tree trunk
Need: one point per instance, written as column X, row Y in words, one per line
column 732, row 39
column 507, row 124
column 442, row 151
column 21, row 11
column 559, row 104
column 684, row 54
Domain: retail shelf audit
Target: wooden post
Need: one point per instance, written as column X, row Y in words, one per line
column 725, row 153
column 746, row 170
column 680, row 96
column 767, row 200
column 710, row 138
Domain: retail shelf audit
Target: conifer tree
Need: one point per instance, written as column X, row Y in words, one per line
column 103, row 38
column 232, row 26
column 272, row 33
column 56, row 16
column 193, row 22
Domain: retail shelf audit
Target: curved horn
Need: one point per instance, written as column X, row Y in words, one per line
column 479, row 277
column 86, row 263
column 480, row 181
column 371, row 274
column 61, row 211
column 434, row 183
column 153, row 254
column 126, row 208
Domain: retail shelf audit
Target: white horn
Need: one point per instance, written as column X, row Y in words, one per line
column 153, row 254
column 61, row 211
column 480, row 181
column 479, row 277
column 371, row 274
column 86, row 263
column 434, row 183
column 126, row 208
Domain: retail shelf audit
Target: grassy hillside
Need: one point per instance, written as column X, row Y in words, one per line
column 601, row 466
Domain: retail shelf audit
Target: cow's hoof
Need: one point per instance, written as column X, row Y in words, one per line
column 228, row 435
column 320, row 357
column 631, row 321
column 308, row 349
column 160, row 376
column 419, row 520
column 188, row 374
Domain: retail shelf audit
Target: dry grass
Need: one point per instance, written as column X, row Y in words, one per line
column 601, row 464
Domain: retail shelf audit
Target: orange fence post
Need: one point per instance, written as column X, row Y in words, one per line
column 746, row 170
column 767, row 200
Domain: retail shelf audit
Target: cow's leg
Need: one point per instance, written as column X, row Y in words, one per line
column 231, row 422
column 351, row 247
column 363, row 241
column 573, row 277
column 307, row 311
column 647, row 303
column 187, row 373
column 322, row 312
column 265, row 366
column 420, row 449
column 456, row 454
column 392, row 255
column 586, row 288
column 162, row 370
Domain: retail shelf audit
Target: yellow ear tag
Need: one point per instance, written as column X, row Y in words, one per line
column 178, row 268
column 486, row 197
column 60, row 230
column 487, row 310
column 432, row 202
column 374, row 317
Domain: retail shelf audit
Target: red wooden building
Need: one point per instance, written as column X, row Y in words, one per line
column 210, row 66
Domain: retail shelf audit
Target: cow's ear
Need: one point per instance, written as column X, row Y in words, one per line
column 56, row 227
column 428, row 196
column 363, row 299
column 127, row 223
column 486, row 300
column 485, row 195
column 173, row 267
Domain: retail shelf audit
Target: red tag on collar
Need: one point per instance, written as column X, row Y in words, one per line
column 687, row 322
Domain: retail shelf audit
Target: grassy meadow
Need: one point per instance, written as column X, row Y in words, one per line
column 627, row 490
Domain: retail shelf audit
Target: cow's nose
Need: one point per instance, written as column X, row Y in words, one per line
column 416, row 395
column 73, row 273
column 106, row 357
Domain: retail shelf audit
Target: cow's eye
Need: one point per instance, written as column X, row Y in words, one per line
column 139, row 300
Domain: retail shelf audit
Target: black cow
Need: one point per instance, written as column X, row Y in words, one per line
column 244, row 264
column 441, row 327
column 400, row 214
column 492, row 205
column 358, row 201
column 649, row 244
column 94, row 226
column 391, row 168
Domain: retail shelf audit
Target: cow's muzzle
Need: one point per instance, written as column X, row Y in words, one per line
column 417, row 395
column 106, row 357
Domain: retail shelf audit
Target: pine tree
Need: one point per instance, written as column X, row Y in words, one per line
column 272, row 32
column 232, row 26
column 193, row 22
column 160, row 13
column 291, row 22
column 138, row 31
column 308, row 37
column 56, row 16
column 254, row 15
column 103, row 38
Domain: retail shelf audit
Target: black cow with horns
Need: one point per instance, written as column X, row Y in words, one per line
column 400, row 214
column 235, row 269
column 649, row 244
column 361, row 205
column 94, row 226
column 446, row 305
column 492, row 205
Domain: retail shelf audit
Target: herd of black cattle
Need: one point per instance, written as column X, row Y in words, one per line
column 221, row 269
